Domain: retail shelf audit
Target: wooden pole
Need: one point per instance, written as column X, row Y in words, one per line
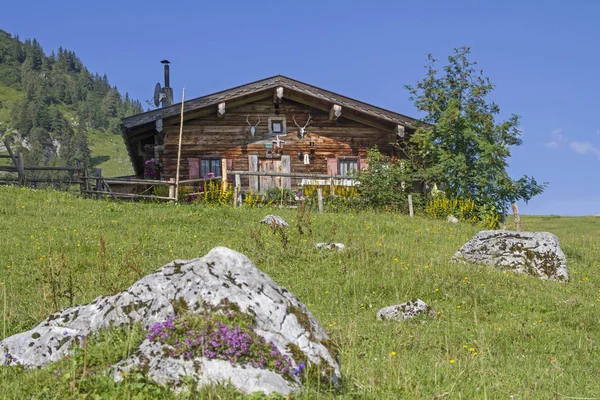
column 410, row 206
column 98, row 172
column 107, row 187
column 179, row 147
column 20, row 173
column 172, row 193
column 21, row 168
column 332, row 187
column 80, row 176
column 517, row 217
column 223, row 175
column 320, row 198
column 238, row 185
column 86, row 180
column 235, row 196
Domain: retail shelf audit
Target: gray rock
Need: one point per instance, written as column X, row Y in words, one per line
column 452, row 219
column 331, row 246
column 274, row 221
column 203, row 283
column 535, row 253
column 401, row 312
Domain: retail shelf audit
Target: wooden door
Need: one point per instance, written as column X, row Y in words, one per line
column 268, row 182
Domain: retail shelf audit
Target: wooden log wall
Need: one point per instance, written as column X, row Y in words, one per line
column 229, row 137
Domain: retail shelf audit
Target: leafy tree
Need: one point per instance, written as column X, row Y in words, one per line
column 462, row 148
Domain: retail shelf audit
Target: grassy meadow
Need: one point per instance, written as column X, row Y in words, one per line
column 497, row 335
column 109, row 153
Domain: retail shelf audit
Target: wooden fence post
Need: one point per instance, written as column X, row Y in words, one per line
column 86, row 173
column 21, row 168
column 410, row 206
column 99, row 187
column 320, row 198
column 172, row 189
column 20, row 173
column 235, row 196
column 332, row 187
column 80, row 177
column 517, row 217
column 224, row 175
column 238, row 185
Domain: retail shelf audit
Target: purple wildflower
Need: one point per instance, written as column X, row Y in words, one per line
column 216, row 340
column 9, row 359
column 301, row 367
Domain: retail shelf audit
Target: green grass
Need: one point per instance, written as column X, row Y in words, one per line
column 534, row 339
column 109, row 153
column 8, row 97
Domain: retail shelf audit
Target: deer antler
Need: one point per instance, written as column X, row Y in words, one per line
column 307, row 121
column 305, row 125
column 248, row 122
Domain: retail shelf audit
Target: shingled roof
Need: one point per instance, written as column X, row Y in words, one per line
column 143, row 125
column 262, row 85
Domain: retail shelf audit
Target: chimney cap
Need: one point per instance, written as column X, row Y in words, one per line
column 165, row 62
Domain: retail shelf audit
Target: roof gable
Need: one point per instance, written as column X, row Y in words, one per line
column 300, row 88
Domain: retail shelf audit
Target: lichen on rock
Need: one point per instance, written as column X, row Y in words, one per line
column 535, row 253
column 223, row 294
column 404, row 311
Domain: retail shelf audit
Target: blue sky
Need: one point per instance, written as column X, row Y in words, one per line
column 543, row 59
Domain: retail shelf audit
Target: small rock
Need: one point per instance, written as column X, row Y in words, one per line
column 274, row 221
column 404, row 311
column 535, row 253
column 452, row 219
column 331, row 246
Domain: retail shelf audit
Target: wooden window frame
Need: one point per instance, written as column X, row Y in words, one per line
column 282, row 121
column 343, row 159
column 210, row 166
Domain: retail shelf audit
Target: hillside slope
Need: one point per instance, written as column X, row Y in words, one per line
column 497, row 334
column 55, row 111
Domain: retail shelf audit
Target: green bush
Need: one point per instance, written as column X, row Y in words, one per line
column 277, row 194
column 386, row 184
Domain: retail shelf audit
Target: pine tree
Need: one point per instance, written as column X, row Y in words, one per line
column 51, row 84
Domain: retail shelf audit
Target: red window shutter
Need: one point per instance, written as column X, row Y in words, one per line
column 194, row 164
column 363, row 164
column 332, row 166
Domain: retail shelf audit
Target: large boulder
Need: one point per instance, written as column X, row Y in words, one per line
column 223, row 285
column 535, row 253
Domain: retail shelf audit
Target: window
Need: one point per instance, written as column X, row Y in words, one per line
column 277, row 125
column 347, row 165
column 210, row 165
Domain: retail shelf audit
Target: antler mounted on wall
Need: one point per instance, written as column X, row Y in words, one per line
column 252, row 127
column 302, row 129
